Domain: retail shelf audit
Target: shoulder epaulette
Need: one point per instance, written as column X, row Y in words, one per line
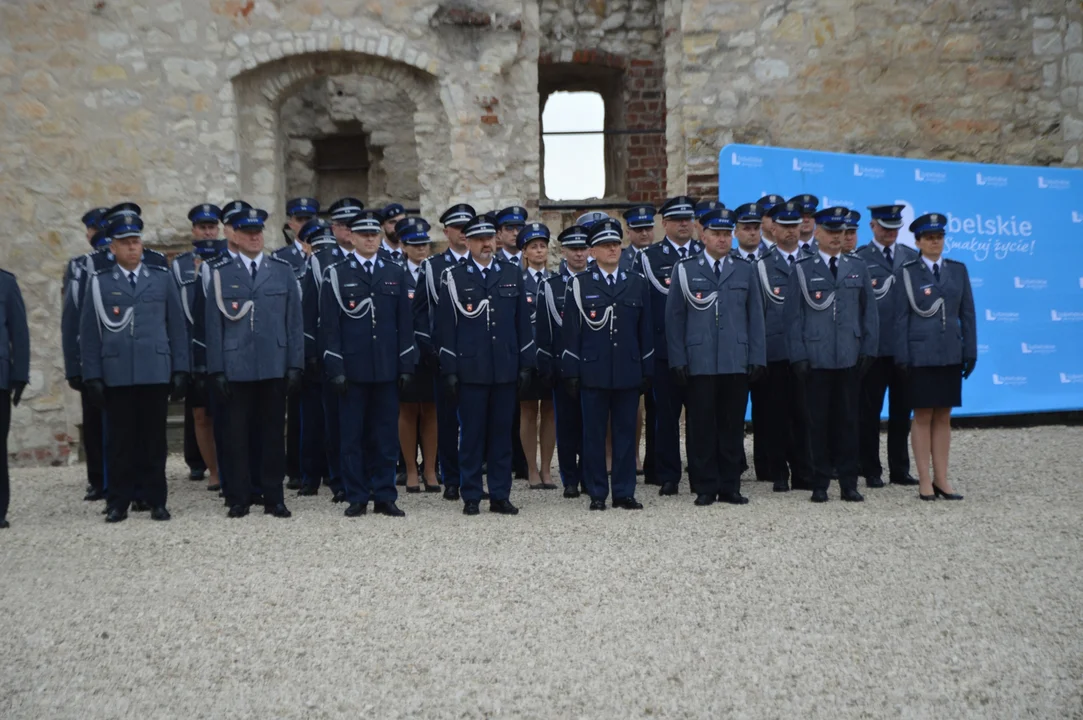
column 221, row 261
column 957, row 262
column 158, row 267
column 908, row 263
column 328, row 266
column 6, row 272
column 284, row 262
column 104, row 270
column 806, row 258
column 153, row 252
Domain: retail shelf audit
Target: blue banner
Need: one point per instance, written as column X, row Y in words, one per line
column 1018, row 229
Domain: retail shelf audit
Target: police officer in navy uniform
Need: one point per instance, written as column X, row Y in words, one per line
column 535, row 401
column 639, row 223
column 748, row 246
column 367, row 337
column 656, row 265
column 608, row 360
column 255, row 352
column 509, row 222
column 782, row 428
column 884, row 255
column 936, row 345
column 849, row 232
column 702, row 208
column 14, row 372
column 832, row 331
column 767, row 226
column 549, row 336
column 391, row 247
column 486, row 347
column 135, row 356
column 809, row 204
column 92, row 221
column 715, row 332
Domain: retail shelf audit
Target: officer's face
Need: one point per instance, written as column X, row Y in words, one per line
column 296, row 222
column 717, row 243
column 607, row 254
column 129, row 252
column 535, row 252
column 341, row 232
column 830, row 241
column 786, row 235
column 576, row 258
column 250, row 241
column 769, row 229
column 90, row 233
column 507, row 235
column 231, row 237
column 641, row 237
column 482, row 248
column 679, row 230
column 808, row 224
column 931, row 245
column 748, row 236
column 366, row 243
column 884, row 236
column 455, row 239
column 416, row 253
column 849, row 240
column 205, row 231
column 389, row 228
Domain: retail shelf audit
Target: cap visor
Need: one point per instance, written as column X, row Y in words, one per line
column 889, row 224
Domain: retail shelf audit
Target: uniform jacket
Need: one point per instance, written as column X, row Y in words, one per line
column 627, row 258
column 715, row 326
column 888, row 294
column 185, row 274
column 366, row 324
column 949, row 335
column 607, row 331
column 548, row 328
column 388, row 257
column 14, row 334
column 133, row 336
column 294, row 257
column 199, row 312
column 655, row 264
column 263, row 336
column 427, row 298
column 316, row 267
column 774, row 272
column 833, row 337
column 490, row 347
column 530, row 287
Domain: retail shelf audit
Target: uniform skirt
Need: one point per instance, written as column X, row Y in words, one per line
column 936, row 386
column 422, row 389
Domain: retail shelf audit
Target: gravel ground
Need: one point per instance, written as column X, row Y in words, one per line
column 781, row 608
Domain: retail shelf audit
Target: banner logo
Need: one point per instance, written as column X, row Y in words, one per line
column 1009, row 379
column 1062, row 316
column 1045, row 183
column 745, row 160
column 929, row 177
column 991, row 180
column 991, row 316
column 1077, row 217
column 866, row 171
column 977, row 282
column 831, row 202
column 805, row 166
column 982, row 349
column 1030, row 283
column 1070, row 378
column 1031, row 349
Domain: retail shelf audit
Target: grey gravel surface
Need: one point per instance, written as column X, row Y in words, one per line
column 778, row 609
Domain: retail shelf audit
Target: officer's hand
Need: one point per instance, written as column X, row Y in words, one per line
column 680, row 375
column 645, row 385
column 903, row 369
column 864, row 362
column 293, row 381
column 451, row 386
column 405, row 380
column 221, row 386
column 178, row 385
column 17, row 392
column 968, row 368
column 526, row 377
column 76, row 383
column 338, row 384
column 801, row 368
column 571, row 386
column 756, row 372
column 95, row 393
column 312, row 367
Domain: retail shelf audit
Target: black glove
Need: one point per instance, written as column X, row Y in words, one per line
column 95, row 393
column 405, row 380
column 968, row 368
column 864, row 362
column 903, row 369
column 801, row 368
column 221, row 386
column 571, row 386
column 756, row 372
column 526, row 379
column 312, row 368
column 451, row 386
column 680, row 375
column 76, row 383
column 17, row 388
column 338, row 384
column 293, row 381
column 178, row 385
column 546, row 379
column 645, row 385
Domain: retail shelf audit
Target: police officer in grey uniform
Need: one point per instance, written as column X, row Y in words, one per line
column 14, row 372
column 808, row 204
column 255, row 352
column 884, row 256
column 832, row 335
column 135, row 356
column 714, row 328
column 92, row 220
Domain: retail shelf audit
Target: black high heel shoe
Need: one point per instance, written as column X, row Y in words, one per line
column 947, row 496
column 927, row 497
column 413, row 489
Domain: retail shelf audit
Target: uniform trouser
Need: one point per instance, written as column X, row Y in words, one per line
column 832, row 402
column 369, row 430
column 716, row 423
column 604, row 408
column 136, row 416
column 757, row 392
column 192, row 458
column 313, row 439
column 884, row 376
column 485, row 414
column 669, row 399
column 447, row 436
column 5, row 426
column 518, row 455
column 332, row 442
column 293, row 436
column 257, row 414
column 789, row 455
column 569, row 420
column 93, row 444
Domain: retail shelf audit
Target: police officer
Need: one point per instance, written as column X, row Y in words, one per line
column 767, row 226
column 608, row 360
column 747, row 232
column 255, row 353
column 884, row 256
column 808, row 204
column 426, row 317
column 782, row 428
column 486, row 344
column 533, row 243
column 14, row 373
column 702, row 208
column 714, row 328
column 92, row 222
column 509, row 222
column 849, row 232
column 640, row 231
column 549, row 335
column 391, row 248
column 656, row 264
column 367, row 336
column 832, row 334
column 134, row 351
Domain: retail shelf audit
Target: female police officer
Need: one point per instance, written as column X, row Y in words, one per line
column 937, row 345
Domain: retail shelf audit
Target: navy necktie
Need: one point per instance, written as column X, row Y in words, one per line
column 485, row 273
column 717, row 269
column 789, row 259
column 131, row 279
column 683, row 252
column 936, row 271
column 514, row 259
column 396, row 255
column 611, row 280
column 368, row 267
column 887, row 254
column 253, row 269
column 834, row 265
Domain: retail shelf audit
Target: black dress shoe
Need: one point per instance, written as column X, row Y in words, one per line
column 400, row 478
column 4, row 524
column 484, row 495
column 470, row 507
column 214, row 488
column 548, row 486
column 140, row 506
column 571, row 492
column 413, row 489
column 237, row 511
column 390, row 509
column 597, row 504
column 639, row 473
column 733, row 498
column 451, row 492
column 704, row 499
column 819, row 496
column 279, row 511
column 339, row 497
column 159, row 513
column 356, row 509
column 801, row 485
column 905, row 480
column 628, row 503
column 937, row 492
column 780, row 486
column 94, row 495
column 257, row 499
column 115, row 515
column 539, row 486
column 294, row 483
column 503, row 507
column 432, row 488
column 874, row 482
column 308, row 491
column 669, row 488
column 852, row 496
column 196, row 474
